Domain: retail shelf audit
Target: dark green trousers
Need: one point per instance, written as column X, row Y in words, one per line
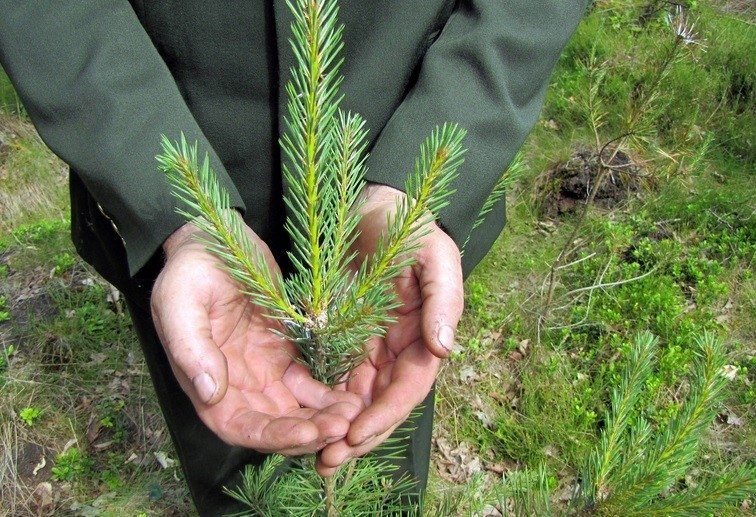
column 208, row 463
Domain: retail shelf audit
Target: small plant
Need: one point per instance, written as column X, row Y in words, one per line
column 113, row 418
column 30, row 415
column 608, row 163
column 635, row 469
column 4, row 312
column 71, row 465
column 91, row 317
column 5, row 356
column 63, row 262
column 364, row 487
column 632, row 466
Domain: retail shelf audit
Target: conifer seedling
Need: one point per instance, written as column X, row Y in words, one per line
column 329, row 307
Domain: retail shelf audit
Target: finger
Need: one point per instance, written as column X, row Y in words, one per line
column 441, row 285
column 313, row 394
column 411, row 380
column 336, row 454
column 183, row 326
column 332, row 425
column 361, row 381
column 267, row 434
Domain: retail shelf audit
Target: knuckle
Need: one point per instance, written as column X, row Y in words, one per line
column 457, row 299
column 442, row 245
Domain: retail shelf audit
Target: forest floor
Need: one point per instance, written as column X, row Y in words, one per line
column 668, row 247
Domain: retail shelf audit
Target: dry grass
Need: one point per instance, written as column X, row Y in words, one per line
column 745, row 8
column 76, row 359
column 33, row 182
column 13, row 493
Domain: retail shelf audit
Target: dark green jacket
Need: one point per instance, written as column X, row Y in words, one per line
column 102, row 79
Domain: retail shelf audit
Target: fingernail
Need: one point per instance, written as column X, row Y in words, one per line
column 446, row 337
column 205, row 386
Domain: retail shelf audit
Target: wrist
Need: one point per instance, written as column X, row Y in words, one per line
column 186, row 235
column 179, row 238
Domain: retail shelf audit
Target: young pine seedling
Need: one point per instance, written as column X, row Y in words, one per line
column 332, row 304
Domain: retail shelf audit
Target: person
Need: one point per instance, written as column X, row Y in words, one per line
column 103, row 79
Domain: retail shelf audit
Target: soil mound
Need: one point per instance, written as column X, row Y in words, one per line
column 566, row 186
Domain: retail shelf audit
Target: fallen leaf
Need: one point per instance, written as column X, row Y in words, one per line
column 568, row 489
column 730, row 371
column 467, row 374
column 548, row 226
column 43, row 498
column 114, row 295
column 491, row 511
column 491, row 336
column 39, row 466
column 457, row 464
column 70, row 443
column 500, row 468
column 457, row 348
column 164, row 461
column 97, row 358
column 485, row 419
column 94, row 427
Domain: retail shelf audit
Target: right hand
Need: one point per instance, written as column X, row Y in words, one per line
column 241, row 377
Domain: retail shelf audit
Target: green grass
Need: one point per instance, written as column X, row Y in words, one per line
column 32, row 181
column 691, row 232
column 76, row 381
column 676, row 259
column 9, row 100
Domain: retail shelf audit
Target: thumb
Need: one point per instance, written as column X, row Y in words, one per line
column 441, row 288
column 183, row 325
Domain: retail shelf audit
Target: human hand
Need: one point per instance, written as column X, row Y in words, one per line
column 402, row 366
column 240, row 376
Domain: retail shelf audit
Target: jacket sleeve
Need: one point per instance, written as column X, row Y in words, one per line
column 488, row 71
column 100, row 96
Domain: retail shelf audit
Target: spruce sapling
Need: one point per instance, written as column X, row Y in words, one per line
column 634, row 469
column 327, row 307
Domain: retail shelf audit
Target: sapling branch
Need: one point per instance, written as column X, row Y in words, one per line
column 197, row 187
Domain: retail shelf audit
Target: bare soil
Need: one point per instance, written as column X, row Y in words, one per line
column 566, row 186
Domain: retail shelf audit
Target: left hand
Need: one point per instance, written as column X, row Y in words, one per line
column 402, row 366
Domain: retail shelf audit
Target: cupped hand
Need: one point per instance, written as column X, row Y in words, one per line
column 402, row 366
column 240, row 376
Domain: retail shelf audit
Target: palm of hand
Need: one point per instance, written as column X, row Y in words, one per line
column 265, row 399
column 401, row 355
column 400, row 369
